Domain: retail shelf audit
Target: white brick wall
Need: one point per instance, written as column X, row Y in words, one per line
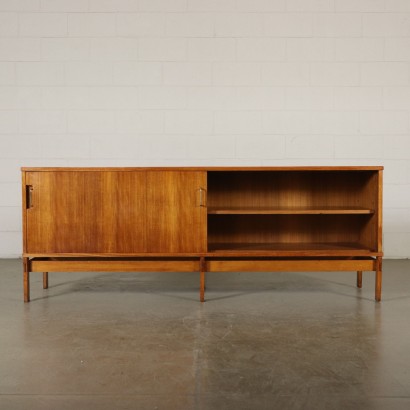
column 9, row 24
column 42, row 25
column 195, row 82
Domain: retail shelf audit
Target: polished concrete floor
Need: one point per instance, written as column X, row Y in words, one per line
column 261, row 341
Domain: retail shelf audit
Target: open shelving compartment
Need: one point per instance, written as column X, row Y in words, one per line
column 293, row 213
column 296, row 219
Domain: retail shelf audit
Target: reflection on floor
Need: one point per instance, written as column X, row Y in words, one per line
column 261, row 341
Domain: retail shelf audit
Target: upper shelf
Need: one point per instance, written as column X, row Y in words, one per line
column 323, row 210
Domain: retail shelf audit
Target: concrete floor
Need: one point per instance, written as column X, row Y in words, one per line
column 261, row 341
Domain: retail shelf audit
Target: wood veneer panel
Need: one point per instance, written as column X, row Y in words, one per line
column 86, row 212
column 176, row 223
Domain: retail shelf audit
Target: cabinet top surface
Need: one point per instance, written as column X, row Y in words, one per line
column 112, row 169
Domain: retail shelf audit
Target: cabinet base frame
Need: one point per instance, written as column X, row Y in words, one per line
column 202, row 265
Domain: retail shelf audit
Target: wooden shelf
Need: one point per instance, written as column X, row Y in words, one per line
column 324, row 210
column 297, row 249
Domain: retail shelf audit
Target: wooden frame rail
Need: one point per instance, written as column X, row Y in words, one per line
column 202, row 265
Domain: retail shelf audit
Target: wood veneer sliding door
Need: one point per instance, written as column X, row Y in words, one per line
column 176, row 211
column 85, row 212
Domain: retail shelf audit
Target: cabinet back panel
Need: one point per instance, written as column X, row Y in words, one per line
column 291, row 189
column 286, row 228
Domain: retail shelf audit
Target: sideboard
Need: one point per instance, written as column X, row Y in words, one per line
column 213, row 219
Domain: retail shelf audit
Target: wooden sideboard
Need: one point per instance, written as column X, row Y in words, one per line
column 202, row 220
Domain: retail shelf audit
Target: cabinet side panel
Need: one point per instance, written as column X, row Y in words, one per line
column 380, row 213
column 86, row 212
column 24, row 209
column 370, row 233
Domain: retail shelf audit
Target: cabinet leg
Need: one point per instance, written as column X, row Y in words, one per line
column 26, row 280
column 45, row 280
column 202, row 268
column 359, row 278
column 378, row 290
column 202, row 287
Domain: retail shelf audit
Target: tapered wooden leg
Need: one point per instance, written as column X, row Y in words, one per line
column 45, row 280
column 378, row 290
column 26, row 280
column 359, row 278
column 202, row 280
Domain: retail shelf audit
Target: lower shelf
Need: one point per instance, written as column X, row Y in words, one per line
column 293, row 249
column 290, row 265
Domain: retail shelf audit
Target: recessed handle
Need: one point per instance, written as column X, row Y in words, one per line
column 202, row 197
column 29, row 196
